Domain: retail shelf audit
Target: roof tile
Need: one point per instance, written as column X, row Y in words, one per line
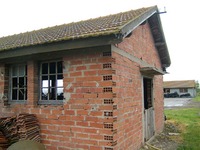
column 179, row 84
column 111, row 24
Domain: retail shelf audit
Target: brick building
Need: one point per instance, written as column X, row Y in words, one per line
column 89, row 83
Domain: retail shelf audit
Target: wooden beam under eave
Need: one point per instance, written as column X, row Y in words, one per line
column 59, row 46
column 159, row 43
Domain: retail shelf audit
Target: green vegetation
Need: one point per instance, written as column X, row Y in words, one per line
column 189, row 121
column 197, row 98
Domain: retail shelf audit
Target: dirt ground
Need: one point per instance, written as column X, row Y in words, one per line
column 170, row 138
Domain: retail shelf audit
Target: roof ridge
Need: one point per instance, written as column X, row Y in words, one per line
column 178, row 80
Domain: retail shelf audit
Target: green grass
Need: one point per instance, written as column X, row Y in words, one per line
column 197, row 98
column 190, row 120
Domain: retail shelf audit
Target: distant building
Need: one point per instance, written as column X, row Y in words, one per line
column 182, row 87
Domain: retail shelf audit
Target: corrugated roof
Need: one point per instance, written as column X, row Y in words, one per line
column 111, row 24
column 179, row 84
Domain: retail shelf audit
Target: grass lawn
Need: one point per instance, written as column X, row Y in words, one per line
column 197, row 99
column 189, row 120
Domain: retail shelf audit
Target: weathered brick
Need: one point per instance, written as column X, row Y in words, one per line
column 96, row 113
column 92, row 118
column 95, row 148
column 78, row 118
column 92, row 78
column 96, row 137
column 96, row 66
column 90, row 73
column 63, row 128
column 46, row 111
column 76, row 74
column 96, row 125
column 57, row 111
column 82, row 112
column 52, row 117
column 90, row 95
column 81, row 68
column 82, row 123
column 90, row 84
column 69, row 112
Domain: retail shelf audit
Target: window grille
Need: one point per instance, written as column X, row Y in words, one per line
column 106, row 53
column 51, row 81
column 18, row 82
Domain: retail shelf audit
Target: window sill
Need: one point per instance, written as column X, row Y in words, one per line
column 48, row 102
column 17, row 102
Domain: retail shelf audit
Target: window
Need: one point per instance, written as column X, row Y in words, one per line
column 183, row 90
column 18, row 82
column 51, row 82
column 166, row 90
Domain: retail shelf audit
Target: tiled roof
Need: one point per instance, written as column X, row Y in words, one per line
column 179, row 84
column 111, row 24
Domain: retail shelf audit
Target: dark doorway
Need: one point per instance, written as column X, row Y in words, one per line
column 148, row 109
column 147, row 85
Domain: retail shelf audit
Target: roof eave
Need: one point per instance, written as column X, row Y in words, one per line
column 178, row 87
column 59, row 46
column 159, row 40
column 111, row 38
column 161, row 46
column 134, row 23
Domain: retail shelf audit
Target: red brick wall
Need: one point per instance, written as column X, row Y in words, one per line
column 129, row 103
column 129, row 88
column 85, row 120
column 102, row 109
column 141, row 45
column 86, row 90
column 159, row 103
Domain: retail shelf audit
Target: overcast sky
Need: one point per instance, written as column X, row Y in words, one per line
column 180, row 24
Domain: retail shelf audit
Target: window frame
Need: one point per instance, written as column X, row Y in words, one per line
column 183, row 90
column 18, row 88
column 166, row 90
column 50, row 101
